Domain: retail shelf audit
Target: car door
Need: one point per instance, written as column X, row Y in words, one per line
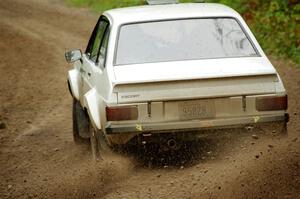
column 93, row 61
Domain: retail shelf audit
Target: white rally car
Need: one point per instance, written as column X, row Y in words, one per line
column 167, row 73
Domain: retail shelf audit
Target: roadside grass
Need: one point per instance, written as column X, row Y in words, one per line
column 102, row 5
column 275, row 23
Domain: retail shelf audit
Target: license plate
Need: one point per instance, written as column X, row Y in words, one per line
column 196, row 109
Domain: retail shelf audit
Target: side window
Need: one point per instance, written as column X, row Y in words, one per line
column 98, row 38
column 103, row 49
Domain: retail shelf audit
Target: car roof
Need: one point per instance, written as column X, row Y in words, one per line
column 169, row 11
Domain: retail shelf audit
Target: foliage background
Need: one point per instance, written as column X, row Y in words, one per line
column 275, row 23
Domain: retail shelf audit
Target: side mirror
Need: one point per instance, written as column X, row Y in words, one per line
column 73, row 55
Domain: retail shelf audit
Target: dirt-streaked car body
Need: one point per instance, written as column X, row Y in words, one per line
column 172, row 69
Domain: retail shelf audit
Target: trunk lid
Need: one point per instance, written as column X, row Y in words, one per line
column 194, row 79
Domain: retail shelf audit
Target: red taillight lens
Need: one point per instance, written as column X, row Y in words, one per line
column 121, row 113
column 272, row 103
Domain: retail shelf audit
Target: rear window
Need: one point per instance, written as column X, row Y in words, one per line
column 176, row 40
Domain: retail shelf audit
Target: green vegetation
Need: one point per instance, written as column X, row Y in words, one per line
column 102, row 5
column 275, row 23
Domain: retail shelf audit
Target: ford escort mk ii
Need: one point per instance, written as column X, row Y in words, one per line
column 169, row 73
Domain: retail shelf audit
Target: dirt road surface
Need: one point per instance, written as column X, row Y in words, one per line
column 38, row 158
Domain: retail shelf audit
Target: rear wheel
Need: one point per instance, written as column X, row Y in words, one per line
column 80, row 123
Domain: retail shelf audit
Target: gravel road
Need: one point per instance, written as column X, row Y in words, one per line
column 38, row 158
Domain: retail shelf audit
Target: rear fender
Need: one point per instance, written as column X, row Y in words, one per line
column 93, row 103
column 74, row 83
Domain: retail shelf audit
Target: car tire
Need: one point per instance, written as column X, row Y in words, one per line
column 80, row 123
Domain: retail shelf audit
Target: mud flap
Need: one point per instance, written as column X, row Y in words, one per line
column 99, row 147
column 92, row 102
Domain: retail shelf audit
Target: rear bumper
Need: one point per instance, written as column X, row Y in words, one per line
column 195, row 124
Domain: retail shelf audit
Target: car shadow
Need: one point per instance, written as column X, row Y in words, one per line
column 210, row 148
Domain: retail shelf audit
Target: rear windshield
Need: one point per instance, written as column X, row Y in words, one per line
column 176, row 40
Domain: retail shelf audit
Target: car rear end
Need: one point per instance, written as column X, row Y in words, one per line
column 191, row 76
column 197, row 106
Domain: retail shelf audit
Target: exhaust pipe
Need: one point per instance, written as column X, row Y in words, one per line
column 172, row 144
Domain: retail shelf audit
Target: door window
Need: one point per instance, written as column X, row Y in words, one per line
column 103, row 49
column 99, row 38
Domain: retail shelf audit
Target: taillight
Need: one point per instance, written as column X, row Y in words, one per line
column 121, row 113
column 272, row 103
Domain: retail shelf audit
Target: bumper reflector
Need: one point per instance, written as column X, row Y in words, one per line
column 272, row 103
column 121, row 113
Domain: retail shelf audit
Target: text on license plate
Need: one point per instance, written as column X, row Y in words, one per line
column 196, row 109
